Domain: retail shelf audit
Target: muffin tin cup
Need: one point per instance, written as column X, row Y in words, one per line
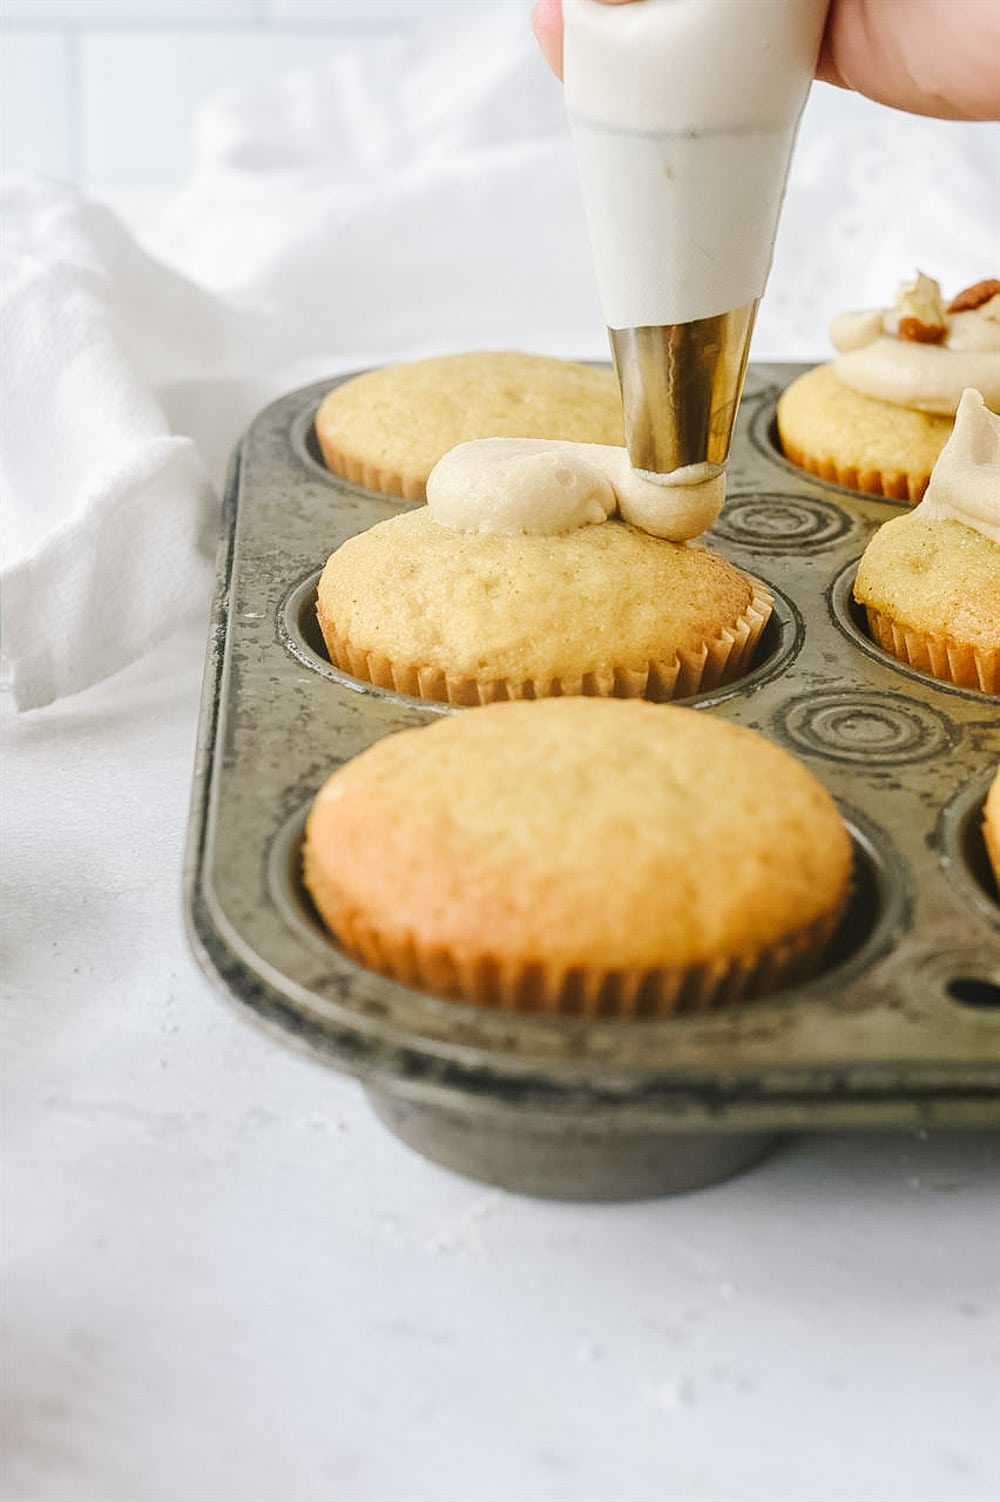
column 717, row 663
column 491, row 980
column 900, row 1027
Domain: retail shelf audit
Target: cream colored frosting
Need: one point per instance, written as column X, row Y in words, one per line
column 539, row 485
column 965, row 481
column 875, row 361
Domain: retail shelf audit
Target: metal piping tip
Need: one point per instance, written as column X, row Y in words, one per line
column 681, row 386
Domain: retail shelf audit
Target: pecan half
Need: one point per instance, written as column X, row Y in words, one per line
column 921, row 333
column 974, row 296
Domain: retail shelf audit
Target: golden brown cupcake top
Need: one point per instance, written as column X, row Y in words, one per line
column 857, row 441
column 940, row 578
column 387, row 428
column 579, row 832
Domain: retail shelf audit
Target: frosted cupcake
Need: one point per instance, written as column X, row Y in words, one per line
column 387, row 428
column 876, row 419
column 930, row 580
column 580, row 856
column 538, row 570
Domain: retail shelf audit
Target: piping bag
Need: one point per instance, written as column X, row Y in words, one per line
column 684, row 115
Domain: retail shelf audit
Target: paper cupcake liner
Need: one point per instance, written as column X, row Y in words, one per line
column 893, row 484
column 991, row 839
column 370, row 476
column 940, row 656
column 715, row 663
column 490, row 980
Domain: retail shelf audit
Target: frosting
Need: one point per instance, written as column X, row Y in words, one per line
column 684, row 116
column 538, row 485
column 929, row 377
column 965, row 481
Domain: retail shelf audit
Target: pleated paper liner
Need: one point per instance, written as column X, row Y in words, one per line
column 893, row 484
column 860, row 442
column 991, row 826
column 716, row 663
column 490, row 980
column 950, row 661
column 407, row 487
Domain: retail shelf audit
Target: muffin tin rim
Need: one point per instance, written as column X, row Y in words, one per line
column 785, row 619
column 871, row 845
column 428, row 1065
column 224, row 621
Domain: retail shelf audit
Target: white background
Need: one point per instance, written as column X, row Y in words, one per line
column 224, row 1281
column 105, row 91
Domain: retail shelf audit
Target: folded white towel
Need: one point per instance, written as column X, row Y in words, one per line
column 105, row 506
column 409, row 195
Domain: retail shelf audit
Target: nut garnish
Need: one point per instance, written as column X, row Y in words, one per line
column 922, row 317
column 975, row 296
column 921, row 333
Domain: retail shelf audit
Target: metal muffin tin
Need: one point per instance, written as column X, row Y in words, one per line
column 902, row 1028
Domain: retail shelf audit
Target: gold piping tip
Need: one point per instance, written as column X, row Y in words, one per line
column 681, row 385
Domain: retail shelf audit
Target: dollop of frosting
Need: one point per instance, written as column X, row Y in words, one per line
column 547, row 486
column 876, row 359
column 965, row 481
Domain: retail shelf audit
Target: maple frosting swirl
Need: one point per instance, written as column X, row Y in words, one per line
column 876, row 359
column 547, row 486
column 965, row 481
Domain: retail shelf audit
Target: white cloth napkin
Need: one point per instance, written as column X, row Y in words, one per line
column 408, row 195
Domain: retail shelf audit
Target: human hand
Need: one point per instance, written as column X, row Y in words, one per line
column 929, row 57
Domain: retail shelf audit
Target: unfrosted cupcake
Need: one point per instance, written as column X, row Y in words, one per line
column 930, row 580
column 876, row 419
column 580, row 856
column 991, row 825
column 387, row 428
column 516, row 582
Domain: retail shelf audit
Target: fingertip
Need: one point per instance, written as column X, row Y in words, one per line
column 546, row 23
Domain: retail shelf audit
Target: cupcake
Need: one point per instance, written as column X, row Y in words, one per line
column 991, row 825
column 930, row 580
column 387, row 429
column 580, row 856
column 876, row 419
column 519, row 581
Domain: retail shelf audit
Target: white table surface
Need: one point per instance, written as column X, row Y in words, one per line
column 225, row 1280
